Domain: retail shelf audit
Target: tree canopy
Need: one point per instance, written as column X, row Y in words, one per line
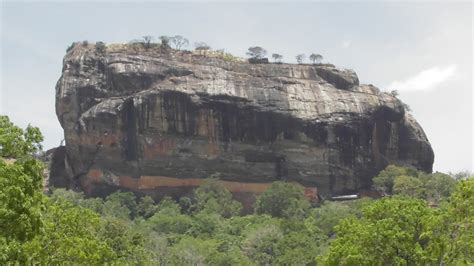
column 256, row 52
column 209, row 227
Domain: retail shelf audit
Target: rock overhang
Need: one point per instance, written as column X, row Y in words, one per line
column 181, row 115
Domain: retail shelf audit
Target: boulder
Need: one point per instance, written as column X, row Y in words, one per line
column 159, row 122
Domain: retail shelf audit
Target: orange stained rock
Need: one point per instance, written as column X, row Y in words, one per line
column 104, row 139
column 311, row 193
column 95, row 174
column 159, row 147
column 154, row 182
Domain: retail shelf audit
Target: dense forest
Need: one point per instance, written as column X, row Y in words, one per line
column 423, row 219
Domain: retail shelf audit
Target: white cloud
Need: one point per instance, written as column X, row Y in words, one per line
column 346, row 43
column 425, row 80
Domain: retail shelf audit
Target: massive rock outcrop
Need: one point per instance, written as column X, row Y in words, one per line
column 158, row 121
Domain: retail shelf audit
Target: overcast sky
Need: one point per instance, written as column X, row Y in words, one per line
column 422, row 49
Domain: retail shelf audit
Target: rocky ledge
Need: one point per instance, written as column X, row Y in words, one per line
column 160, row 121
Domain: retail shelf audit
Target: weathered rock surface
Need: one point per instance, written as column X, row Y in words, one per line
column 159, row 122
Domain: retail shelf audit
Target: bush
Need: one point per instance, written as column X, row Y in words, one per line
column 256, row 52
column 408, row 186
column 202, row 46
column 330, row 214
column 282, row 199
column 383, row 182
column 100, row 47
column 229, row 57
column 212, row 197
column 261, row 245
column 389, row 233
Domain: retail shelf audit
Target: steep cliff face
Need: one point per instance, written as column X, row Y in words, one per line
column 160, row 121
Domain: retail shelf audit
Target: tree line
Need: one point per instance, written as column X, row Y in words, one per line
column 65, row 227
column 179, row 42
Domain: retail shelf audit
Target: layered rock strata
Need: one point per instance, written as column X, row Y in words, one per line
column 160, row 122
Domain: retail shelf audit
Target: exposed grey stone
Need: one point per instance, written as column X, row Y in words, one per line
column 129, row 114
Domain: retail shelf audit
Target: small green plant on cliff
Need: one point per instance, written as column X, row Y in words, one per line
column 100, row 47
column 229, row 57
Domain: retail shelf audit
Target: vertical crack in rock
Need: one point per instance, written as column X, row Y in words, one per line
column 129, row 120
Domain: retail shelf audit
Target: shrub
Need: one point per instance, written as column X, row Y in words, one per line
column 100, row 47
column 201, row 46
column 277, row 57
column 300, row 58
column 256, row 52
column 284, row 200
column 316, row 58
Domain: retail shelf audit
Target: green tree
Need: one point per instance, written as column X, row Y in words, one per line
column 383, row 182
column 277, row 57
column 193, row 251
column 302, row 241
column 330, row 214
column 113, row 208
column 179, row 41
column 205, row 224
column 17, row 143
column 169, row 220
column 241, row 225
column 451, row 234
column 408, row 186
column 256, row 52
column 297, row 248
column 438, row 186
column 300, row 58
column 283, row 199
column 165, row 41
column 147, row 41
column 261, row 244
column 70, row 235
column 21, row 198
column 316, row 58
column 168, row 206
column 61, row 194
column 127, row 245
column 125, row 200
column 146, row 207
column 391, row 232
column 94, row 204
column 213, row 197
